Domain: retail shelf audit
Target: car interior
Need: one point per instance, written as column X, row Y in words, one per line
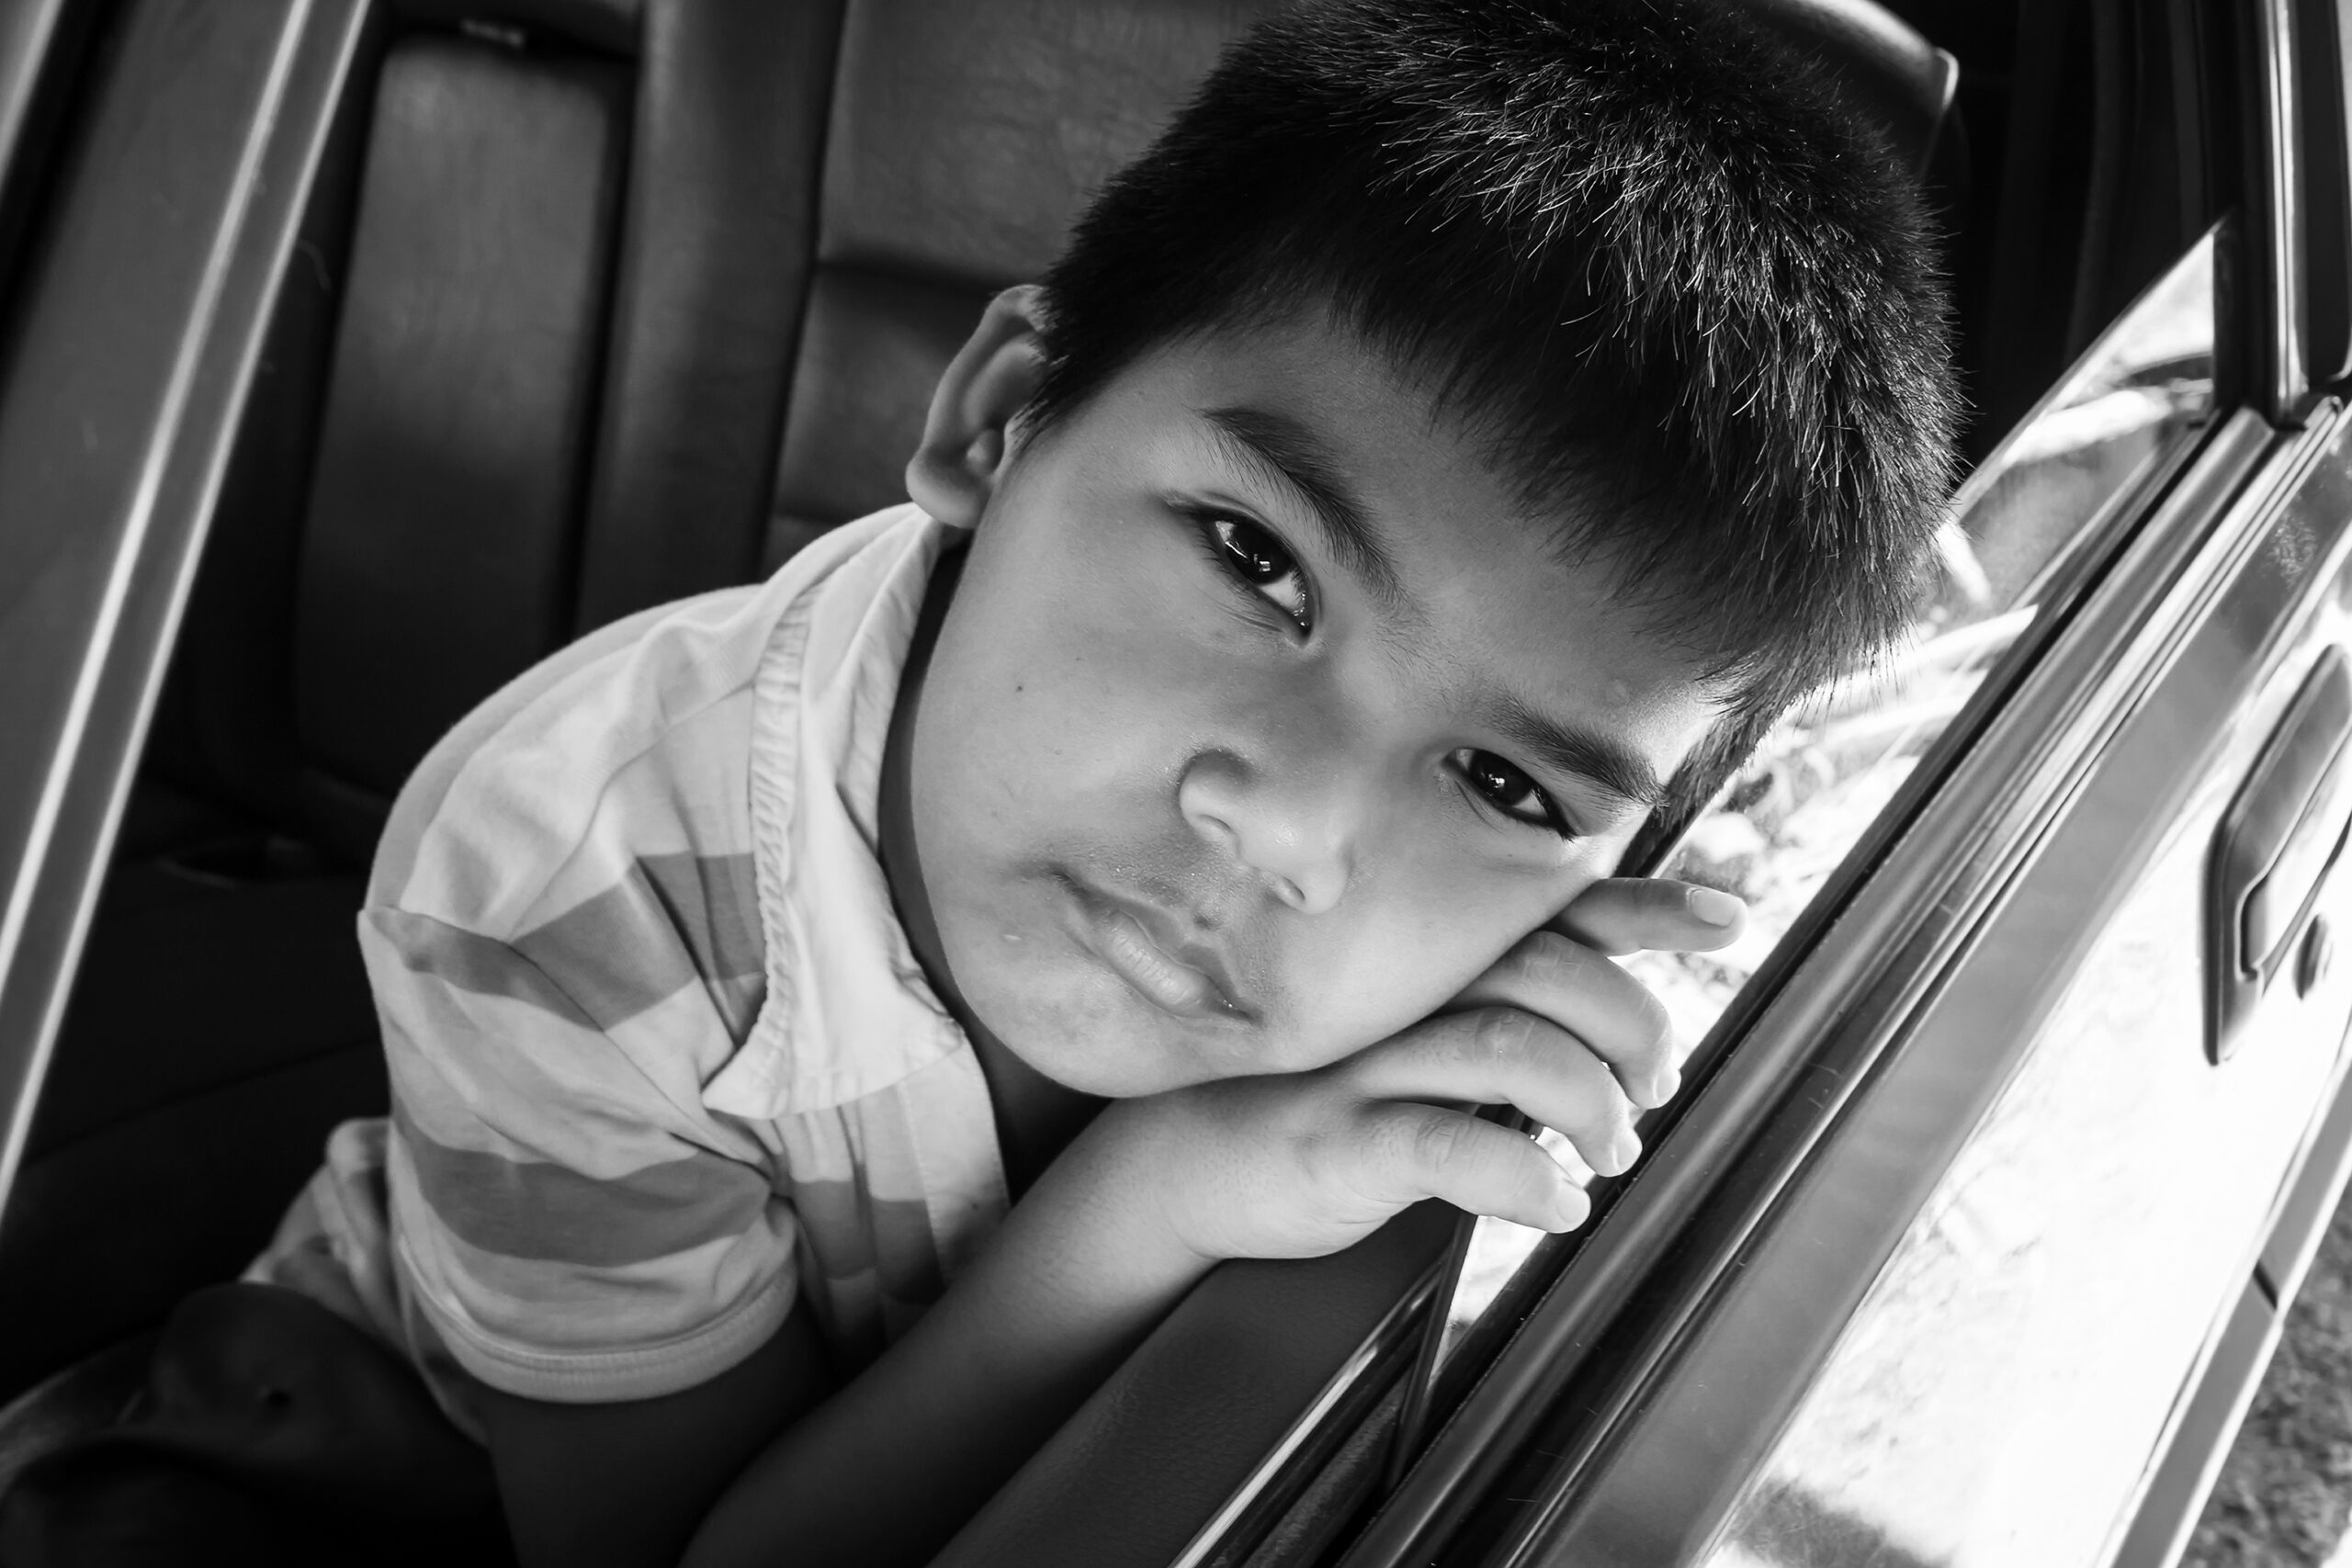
column 596, row 304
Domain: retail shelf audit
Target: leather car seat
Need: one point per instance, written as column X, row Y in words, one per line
column 600, row 303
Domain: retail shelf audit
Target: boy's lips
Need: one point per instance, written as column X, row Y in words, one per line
column 1138, row 942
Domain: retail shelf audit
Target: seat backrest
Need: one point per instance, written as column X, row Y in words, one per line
column 634, row 298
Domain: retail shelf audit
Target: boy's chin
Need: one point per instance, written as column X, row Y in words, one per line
column 1119, row 1046
column 1114, row 1062
column 1122, row 1048
column 1071, row 1013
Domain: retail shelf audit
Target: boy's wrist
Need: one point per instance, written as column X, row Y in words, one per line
column 1119, row 1179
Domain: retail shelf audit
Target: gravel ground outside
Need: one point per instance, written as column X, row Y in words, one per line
column 2285, row 1489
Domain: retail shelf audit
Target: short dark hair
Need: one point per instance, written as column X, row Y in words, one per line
column 1686, row 296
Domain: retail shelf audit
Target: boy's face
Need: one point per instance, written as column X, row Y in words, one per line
column 1261, row 723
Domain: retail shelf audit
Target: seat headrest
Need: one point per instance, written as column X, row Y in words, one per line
column 1882, row 68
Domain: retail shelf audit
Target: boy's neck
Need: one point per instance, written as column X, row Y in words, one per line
column 1035, row 1115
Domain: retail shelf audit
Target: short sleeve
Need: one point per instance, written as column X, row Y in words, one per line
column 570, row 1221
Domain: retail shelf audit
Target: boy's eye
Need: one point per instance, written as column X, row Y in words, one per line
column 1509, row 790
column 1257, row 558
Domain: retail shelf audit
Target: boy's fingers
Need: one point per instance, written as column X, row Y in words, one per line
column 1626, row 914
column 1614, row 1014
column 1418, row 1151
column 1500, row 1056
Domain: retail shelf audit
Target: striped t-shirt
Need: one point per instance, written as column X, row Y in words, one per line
column 660, row 1054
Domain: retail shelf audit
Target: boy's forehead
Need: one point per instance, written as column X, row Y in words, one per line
column 1313, row 396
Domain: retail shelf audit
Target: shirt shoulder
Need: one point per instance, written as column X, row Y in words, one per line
column 635, row 742
column 624, row 741
column 644, row 996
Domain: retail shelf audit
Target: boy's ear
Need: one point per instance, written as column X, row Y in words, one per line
column 956, row 470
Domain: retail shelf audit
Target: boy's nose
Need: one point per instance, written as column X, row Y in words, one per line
column 1296, row 834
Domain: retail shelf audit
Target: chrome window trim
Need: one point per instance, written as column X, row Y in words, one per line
column 2286, row 377
column 117, row 414
column 1391, row 1342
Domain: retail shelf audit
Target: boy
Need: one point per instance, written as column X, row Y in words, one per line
column 1466, row 429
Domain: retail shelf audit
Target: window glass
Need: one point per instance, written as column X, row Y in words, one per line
column 2035, row 507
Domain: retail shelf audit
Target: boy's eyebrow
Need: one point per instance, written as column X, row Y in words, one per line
column 1588, row 753
column 1284, row 451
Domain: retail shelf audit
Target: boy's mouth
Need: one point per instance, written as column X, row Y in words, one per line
column 1138, row 940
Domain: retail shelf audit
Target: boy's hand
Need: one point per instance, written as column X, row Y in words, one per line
column 1302, row 1164
column 1628, row 914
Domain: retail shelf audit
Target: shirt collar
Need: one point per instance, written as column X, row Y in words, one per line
column 848, row 1012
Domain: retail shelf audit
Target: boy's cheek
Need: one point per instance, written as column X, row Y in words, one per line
column 1424, row 944
column 1354, row 986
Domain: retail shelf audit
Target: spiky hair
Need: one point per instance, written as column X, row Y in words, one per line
column 1641, row 251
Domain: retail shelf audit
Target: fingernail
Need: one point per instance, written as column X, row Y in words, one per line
column 1668, row 1082
column 1627, row 1149
column 1716, row 908
column 1572, row 1209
